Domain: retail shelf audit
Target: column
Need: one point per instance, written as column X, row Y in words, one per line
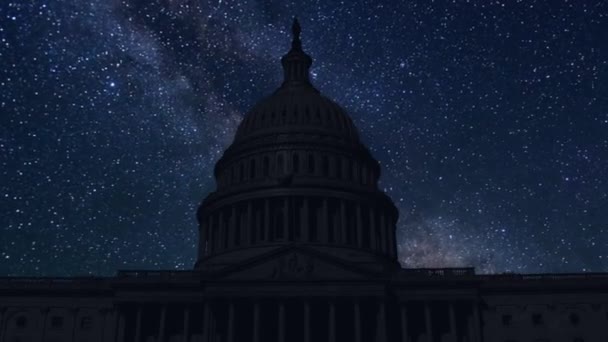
column 373, row 230
column 286, row 217
column 305, row 225
column 256, row 321
column 332, row 321
column 359, row 221
column 138, row 325
column 121, row 326
column 324, row 226
column 381, row 323
column 75, row 313
column 390, row 233
column 233, row 227
column 186, row 324
column 211, row 246
column 205, row 333
column 248, row 238
column 383, row 234
column 428, row 321
column 44, row 312
column 259, row 224
column 221, row 231
column 102, row 333
column 452, row 320
column 281, row 322
column 203, row 234
column 161, row 329
column 343, row 222
column 306, row 321
column 212, row 326
column 266, row 220
column 357, row 321
column 3, row 318
column 403, row 323
column 476, row 322
column 231, row 322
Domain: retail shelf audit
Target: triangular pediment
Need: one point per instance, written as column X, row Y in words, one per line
column 294, row 263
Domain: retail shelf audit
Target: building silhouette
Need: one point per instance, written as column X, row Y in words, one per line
column 297, row 243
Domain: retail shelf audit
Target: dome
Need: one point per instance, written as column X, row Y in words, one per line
column 300, row 109
column 297, row 105
column 297, row 174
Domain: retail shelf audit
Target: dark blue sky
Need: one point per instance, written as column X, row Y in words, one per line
column 490, row 120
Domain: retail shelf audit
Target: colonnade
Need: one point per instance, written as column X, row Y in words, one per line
column 298, row 218
column 359, row 320
column 270, row 165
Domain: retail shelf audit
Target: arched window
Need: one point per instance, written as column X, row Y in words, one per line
column 311, row 163
column 325, row 166
column 252, row 169
column 329, row 119
column 364, row 175
column 86, row 323
column 296, row 163
column 295, row 115
column 56, row 322
column 279, row 222
column 574, row 319
column 266, row 170
column 280, row 164
column 21, row 322
column 339, row 167
column 342, row 120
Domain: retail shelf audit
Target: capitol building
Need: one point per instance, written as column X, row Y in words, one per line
column 297, row 244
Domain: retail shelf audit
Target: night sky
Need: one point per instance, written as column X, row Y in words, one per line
column 490, row 120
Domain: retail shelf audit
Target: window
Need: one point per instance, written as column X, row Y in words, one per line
column 296, row 163
column 339, row 167
column 364, row 175
column 507, row 320
column 56, row 322
column 537, row 319
column 280, row 165
column 311, row 164
column 266, row 170
column 86, row 323
column 574, row 319
column 252, row 169
column 21, row 322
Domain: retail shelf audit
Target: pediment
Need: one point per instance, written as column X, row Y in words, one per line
column 293, row 263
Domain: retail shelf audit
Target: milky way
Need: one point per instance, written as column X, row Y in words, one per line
column 490, row 120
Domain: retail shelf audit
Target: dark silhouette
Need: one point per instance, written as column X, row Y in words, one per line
column 297, row 243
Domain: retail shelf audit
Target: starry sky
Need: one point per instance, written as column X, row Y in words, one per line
column 490, row 120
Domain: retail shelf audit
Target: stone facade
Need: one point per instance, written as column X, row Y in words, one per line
column 329, row 303
column 297, row 243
